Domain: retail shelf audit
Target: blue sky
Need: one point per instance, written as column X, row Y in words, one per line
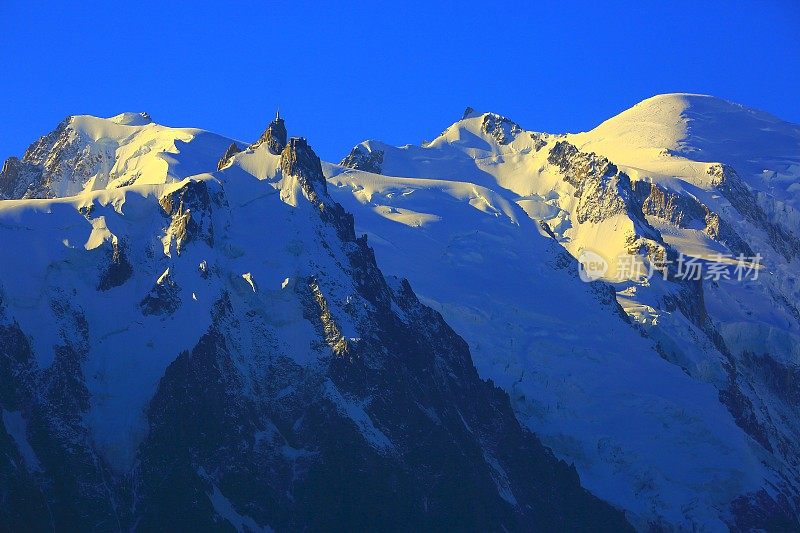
column 400, row 73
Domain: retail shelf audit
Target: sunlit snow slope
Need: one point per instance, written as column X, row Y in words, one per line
column 87, row 153
column 687, row 415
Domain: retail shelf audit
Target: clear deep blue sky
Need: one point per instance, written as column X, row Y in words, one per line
column 400, row 73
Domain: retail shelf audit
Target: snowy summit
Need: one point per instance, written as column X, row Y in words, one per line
column 236, row 334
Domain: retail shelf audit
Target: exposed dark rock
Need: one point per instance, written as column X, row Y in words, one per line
column 22, row 503
column 232, row 150
column 319, row 314
column 300, row 161
column 70, row 487
column 742, row 199
column 361, row 158
column 190, row 211
column 501, row 128
column 744, row 413
column 603, row 191
column 15, row 177
column 684, row 211
column 421, row 462
column 60, row 156
column 118, row 270
column 762, row 512
column 539, row 141
column 782, row 378
column 163, row 298
column 274, row 136
column 389, row 426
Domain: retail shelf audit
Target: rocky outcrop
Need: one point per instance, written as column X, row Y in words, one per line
column 232, row 150
column 274, row 136
column 163, row 299
column 685, row 211
column 16, row 177
column 320, row 315
column 728, row 182
column 603, row 191
column 539, row 140
column 51, row 476
column 58, row 162
column 117, row 270
column 502, row 129
column 300, row 161
column 402, row 397
column 363, row 158
column 190, row 211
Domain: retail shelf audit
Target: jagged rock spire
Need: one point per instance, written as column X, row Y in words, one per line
column 274, row 136
column 299, row 160
column 232, row 150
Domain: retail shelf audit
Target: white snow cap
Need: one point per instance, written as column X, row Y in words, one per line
column 132, row 119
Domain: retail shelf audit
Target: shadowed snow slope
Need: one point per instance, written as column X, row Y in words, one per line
column 227, row 326
column 222, row 352
column 686, row 416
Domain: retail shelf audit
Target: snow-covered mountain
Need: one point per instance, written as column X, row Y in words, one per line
column 86, row 153
column 223, row 352
column 685, row 416
column 192, row 328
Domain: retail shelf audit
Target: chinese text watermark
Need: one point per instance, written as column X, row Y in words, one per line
column 593, row 266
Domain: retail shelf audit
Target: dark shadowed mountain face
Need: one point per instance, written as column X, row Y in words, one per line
column 223, row 353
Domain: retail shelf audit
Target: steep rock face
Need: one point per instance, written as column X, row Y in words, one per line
column 686, row 212
column 361, row 158
column 163, row 298
column 331, row 399
column 232, row 150
column 86, row 153
column 274, row 136
column 762, row 412
column 603, row 191
column 728, row 182
column 118, row 269
column 55, row 163
column 15, row 178
column 64, row 482
column 501, row 128
column 189, row 209
column 299, row 161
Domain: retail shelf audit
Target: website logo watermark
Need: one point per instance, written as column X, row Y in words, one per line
column 593, row 266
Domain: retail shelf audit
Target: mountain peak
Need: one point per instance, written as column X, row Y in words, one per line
column 274, row 136
column 298, row 159
column 132, row 119
column 668, row 128
column 469, row 112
